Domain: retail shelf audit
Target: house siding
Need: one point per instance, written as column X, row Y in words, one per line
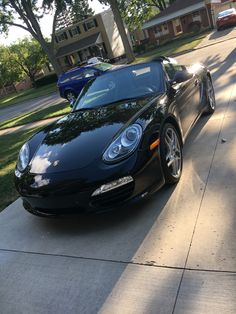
column 110, row 43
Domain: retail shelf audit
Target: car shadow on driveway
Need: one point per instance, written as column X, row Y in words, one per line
column 219, row 34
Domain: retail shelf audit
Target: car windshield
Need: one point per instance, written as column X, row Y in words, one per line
column 226, row 12
column 103, row 66
column 130, row 82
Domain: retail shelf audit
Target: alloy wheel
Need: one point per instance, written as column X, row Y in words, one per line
column 210, row 94
column 173, row 154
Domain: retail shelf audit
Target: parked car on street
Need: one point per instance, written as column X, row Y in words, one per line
column 71, row 83
column 121, row 142
column 226, row 18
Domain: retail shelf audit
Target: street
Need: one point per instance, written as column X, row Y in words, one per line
column 30, row 105
column 172, row 253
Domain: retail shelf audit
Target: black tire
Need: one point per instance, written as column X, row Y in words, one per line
column 70, row 96
column 172, row 171
column 210, row 97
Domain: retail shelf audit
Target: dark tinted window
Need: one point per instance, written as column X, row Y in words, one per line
column 90, row 73
column 227, row 12
column 126, row 83
column 103, row 66
column 172, row 68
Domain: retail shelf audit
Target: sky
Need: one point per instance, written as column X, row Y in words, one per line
column 16, row 33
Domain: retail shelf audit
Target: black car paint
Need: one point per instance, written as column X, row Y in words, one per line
column 69, row 183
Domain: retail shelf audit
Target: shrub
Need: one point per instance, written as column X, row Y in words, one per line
column 52, row 78
column 194, row 27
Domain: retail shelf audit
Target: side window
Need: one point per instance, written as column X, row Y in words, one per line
column 171, row 69
column 90, row 73
column 77, row 76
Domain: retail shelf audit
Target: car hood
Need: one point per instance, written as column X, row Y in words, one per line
column 81, row 138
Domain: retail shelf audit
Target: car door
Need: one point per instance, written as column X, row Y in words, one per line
column 77, row 81
column 186, row 96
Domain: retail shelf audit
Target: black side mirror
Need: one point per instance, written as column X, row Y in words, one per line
column 181, row 76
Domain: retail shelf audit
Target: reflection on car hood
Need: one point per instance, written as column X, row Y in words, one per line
column 80, row 138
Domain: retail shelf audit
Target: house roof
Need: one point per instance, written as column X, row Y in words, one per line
column 176, row 9
column 81, row 44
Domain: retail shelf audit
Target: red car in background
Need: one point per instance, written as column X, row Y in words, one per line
column 226, row 18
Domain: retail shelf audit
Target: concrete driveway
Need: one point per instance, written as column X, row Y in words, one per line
column 218, row 36
column 173, row 253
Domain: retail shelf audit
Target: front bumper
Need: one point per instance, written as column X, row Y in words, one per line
column 64, row 193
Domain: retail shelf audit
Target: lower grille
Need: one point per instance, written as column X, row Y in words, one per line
column 113, row 197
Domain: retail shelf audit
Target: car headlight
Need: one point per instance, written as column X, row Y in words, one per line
column 124, row 144
column 23, row 158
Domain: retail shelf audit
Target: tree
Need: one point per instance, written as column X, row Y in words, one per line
column 120, row 25
column 136, row 12
column 29, row 56
column 8, row 73
column 26, row 14
column 160, row 4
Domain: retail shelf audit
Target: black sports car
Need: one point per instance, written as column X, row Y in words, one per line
column 122, row 140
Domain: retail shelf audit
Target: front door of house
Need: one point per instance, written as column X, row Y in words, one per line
column 177, row 26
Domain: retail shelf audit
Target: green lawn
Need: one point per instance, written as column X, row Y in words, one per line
column 10, row 145
column 27, row 95
column 173, row 47
column 50, row 112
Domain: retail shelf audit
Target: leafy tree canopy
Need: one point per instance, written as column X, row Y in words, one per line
column 136, row 12
column 27, row 14
column 8, row 74
column 28, row 56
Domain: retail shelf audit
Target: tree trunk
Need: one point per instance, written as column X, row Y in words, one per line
column 32, row 78
column 119, row 22
column 51, row 56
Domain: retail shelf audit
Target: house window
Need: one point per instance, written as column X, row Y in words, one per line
column 90, row 24
column 157, row 29
column 165, row 27
column 177, row 26
column 196, row 16
column 68, row 60
column 62, row 37
column 74, row 31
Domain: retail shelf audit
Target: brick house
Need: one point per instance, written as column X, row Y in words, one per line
column 179, row 18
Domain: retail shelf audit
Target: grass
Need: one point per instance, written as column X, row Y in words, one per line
column 27, row 95
column 175, row 46
column 50, row 112
column 10, row 145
